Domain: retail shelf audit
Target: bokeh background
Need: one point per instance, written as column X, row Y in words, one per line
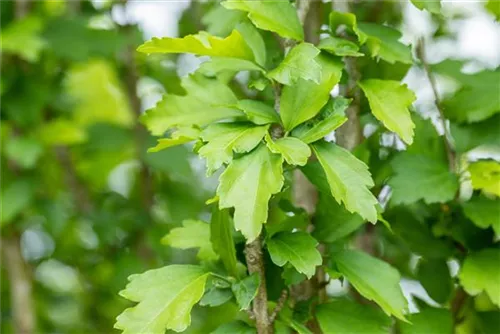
column 83, row 205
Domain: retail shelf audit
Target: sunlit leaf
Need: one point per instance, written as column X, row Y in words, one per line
column 293, row 150
column 192, row 234
column 299, row 63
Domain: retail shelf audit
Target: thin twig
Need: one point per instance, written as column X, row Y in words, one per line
column 437, row 101
column 279, row 305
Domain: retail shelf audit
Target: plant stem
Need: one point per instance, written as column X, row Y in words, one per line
column 20, row 285
column 437, row 101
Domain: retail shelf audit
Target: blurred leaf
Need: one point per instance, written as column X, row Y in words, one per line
column 470, row 136
column 480, row 272
column 16, row 196
column 221, row 236
column 235, row 327
column 344, row 316
column 165, row 296
column 279, row 17
column 434, row 275
column 240, row 187
column 299, row 63
column 485, row 175
column 61, row 132
column 349, row 179
column 493, row 7
column 202, row 44
column 429, row 320
column 299, row 249
column 192, row 234
column 23, row 38
column 383, row 42
column 374, row 279
column 483, row 212
column 293, row 150
column 246, row 290
column 432, row 6
column 24, row 151
column 304, row 99
column 221, row 21
column 389, row 102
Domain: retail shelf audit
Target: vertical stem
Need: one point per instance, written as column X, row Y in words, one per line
column 20, row 285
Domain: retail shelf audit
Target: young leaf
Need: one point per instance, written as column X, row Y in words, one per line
column 192, row 234
column 221, row 236
column 247, row 185
column 203, row 44
column 339, row 47
column 429, row 320
column 246, row 290
column 254, row 40
column 216, row 65
column 480, row 272
column 383, row 42
column 349, row 179
column 293, row 150
column 165, row 296
column 304, row 99
column 224, row 138
column 276, row 16
column 434, row 275
column 298, row 248
column 330, row 118
column 179, row 137
column 204, row 103
column 420, row 173
column 345, row 316
column 389, row 102
column 23, row 38
column 349, row 20
column 483, row 212
column 432, row 6
column 485, row 175
column 258, row 112
column 299, row 63
column 374, row 279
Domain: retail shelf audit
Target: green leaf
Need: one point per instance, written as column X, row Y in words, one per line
column 165, row 296
column 216, row 297
column 340, row 47
column 23, row 38
column 480, row 272
column 493, row 7
column 469, row 136
column 485, row 175
column 298, row 248
column 258, row 112
column 202, row 44
column 221, row 236
column 349, row 179
column 293, row 150
column 345, row 316
column 483, row 212
column 276, row 16
column 421, row 173
column 235, row 327
column 429, row 320
column 434, row 275
column 221, row 21
column 254, row 40
column 337, row 19
column 389, row 102
column 61, row 132
column 24, row 151
column 220, row 64
column 432, row 6
column 192, row 234
column 373, row 279
column 247, row 185
column 473, row 104
column 304, row 99
column 291, row 276
column 205, row 102
column 225, row 138
column 16, row 196
column 332, row 221
column 330, row 118
column 246, row 290
column 383, row 42
column 179, row 137
column 299, row 63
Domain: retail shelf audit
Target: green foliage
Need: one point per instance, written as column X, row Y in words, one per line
column 245, row 290
column 298, row 64
column 192, row 234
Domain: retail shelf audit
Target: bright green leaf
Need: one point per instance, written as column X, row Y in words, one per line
column 276, row 16
column 345, row 316
column 258, row 112
column 304, row 99
column 247, row 185
column 374, row 279
column 225, row 138
column 192, row 234
column 16, row 196
column 389, row 102
column 483, row 212
column 429, row 320
column 293, row 150
column 349, row 20
column 221, row 21
column 298, row 248
column 481, row 272
column 254, row 40
column 493, row 6
column 330, row 118
column 23, row 38
column 216, row 65
column 165, row 296
column 221, row 236
column 206, row 101
column 434, row 275
column 349, row 179
column 340, row 47
column 485, row 175
column 179, row 137
column 420, row 173
column 299, row 63
column 23, row 151
column 61, row 132
column 432, row 6
column 245, row 290
column 202, row 44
